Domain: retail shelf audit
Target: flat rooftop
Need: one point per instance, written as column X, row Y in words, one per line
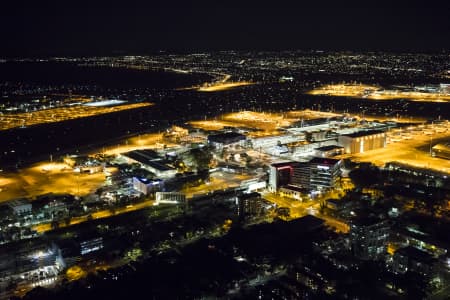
column 105, row 103
column 231, row 135
column 324, row 161
column 142, row 156
column 415, row 254
column 363, row 133
column 329, row 148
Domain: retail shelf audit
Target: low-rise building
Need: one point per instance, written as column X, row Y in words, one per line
column 20, row 206
column 151, row 161
column 170, row 197
column 230, row 138
column 272, row 141
column 147, row 186
column 411, row 259
column 91, row 245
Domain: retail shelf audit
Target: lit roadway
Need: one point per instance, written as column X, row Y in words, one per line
column 216, row 86
column 217, row 181
column 222, row 86
column 300, row 209
column 97, row 215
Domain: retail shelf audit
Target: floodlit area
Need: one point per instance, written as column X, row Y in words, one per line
column 212, row 125
column 45, row 178
column 378, row 93
column 59, row 178
column 75, row 273
column 259, row 120
column 345, row 90
column 264, row 123
column 217, row 181
column 414, row 152
column 53, row 115
column 145, row 141
column 308, row 114
column 298, row 209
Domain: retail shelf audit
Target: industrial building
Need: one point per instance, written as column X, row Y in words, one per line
column 362, row 141
column 230, row 138
column 151, row 161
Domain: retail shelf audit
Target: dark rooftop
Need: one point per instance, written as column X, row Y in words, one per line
column 328, row 148
column 307, row 222
column 283, row 164
column 159, row 165
column 249, row 195
column 230, row 136
column 363, row 133
column 324, row 161
column 149, row 158
column 142, row 156
column 366, row 220
column 415, row 254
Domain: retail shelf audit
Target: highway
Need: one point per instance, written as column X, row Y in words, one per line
column 106, row 213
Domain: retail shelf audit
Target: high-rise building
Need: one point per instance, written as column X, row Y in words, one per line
column 368, row 237
column 250, row 204
column 324, row 173
column 281, row 174
column 318, row 174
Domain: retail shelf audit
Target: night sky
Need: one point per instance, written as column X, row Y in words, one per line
column 52, row 28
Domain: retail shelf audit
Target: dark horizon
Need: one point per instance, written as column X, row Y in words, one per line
column 77, row 29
